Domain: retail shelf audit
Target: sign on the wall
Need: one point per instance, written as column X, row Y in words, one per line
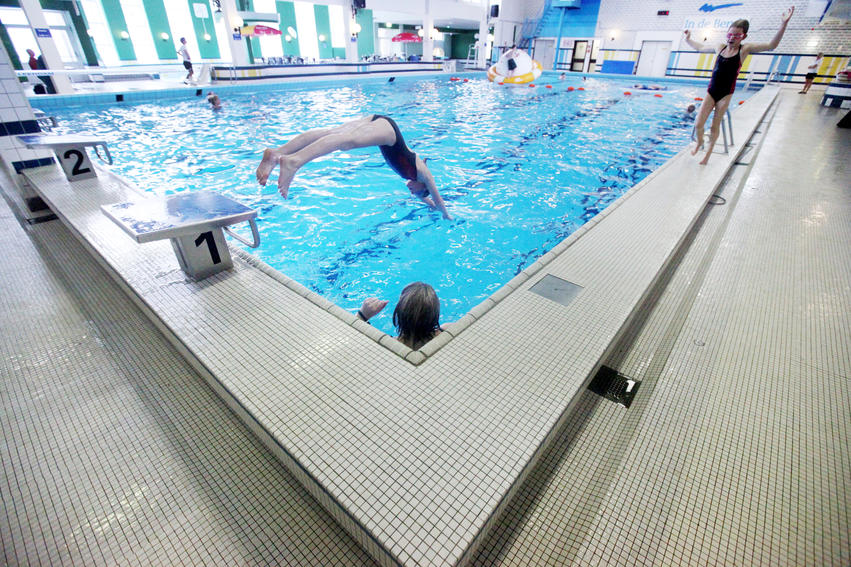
column 42, row 32
column 712, row 7
column 708, row 23
column 200, row 11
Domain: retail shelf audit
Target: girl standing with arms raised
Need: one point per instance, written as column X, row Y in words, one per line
column 731, row 55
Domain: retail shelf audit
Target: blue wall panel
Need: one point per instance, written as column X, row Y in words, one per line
column 580, row 22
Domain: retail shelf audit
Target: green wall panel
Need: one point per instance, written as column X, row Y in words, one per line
column 13, row 56
column 366, row 37
column 209, row 49
column 158, row 21
column 323, row 27
column 339, row 53
column 254, row 51
column 461, row 43
column 78, row 19
column 117, row 24
column 286, row 11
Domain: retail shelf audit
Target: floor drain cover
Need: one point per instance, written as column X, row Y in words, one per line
column 556, row 289
column 614, row 386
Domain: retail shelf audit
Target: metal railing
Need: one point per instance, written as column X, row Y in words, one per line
column 725, row 128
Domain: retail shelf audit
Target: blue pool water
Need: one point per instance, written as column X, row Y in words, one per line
column 519, row 168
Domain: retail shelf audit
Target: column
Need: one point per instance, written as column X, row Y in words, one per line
column 239, row 53
column 351, row 39
column 52, row 60
column 428, row 30
column 483, row 41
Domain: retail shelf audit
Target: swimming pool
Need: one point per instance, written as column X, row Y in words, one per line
column 519, row 168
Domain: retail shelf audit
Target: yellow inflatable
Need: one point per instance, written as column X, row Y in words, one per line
column 525, row 71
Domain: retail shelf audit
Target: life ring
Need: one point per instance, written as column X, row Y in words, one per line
column 526, row 69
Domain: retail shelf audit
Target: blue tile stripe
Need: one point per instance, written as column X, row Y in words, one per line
column 30, row 163
column 19, row 127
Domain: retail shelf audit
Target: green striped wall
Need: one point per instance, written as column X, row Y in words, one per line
column 10, row 49
column 286, row 11
column 209, row 49
column 366, row 37
column 117, row 24
column 323, row 27
column 254, row 51
column 158, row 22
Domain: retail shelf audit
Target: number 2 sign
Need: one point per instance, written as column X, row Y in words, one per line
column 75, row 162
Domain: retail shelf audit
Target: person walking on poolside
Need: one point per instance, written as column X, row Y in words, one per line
column 723, row 81
column 187, row 63
column 812, row 71
column 371, row 130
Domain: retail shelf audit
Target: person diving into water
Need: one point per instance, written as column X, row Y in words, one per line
column 371, row 130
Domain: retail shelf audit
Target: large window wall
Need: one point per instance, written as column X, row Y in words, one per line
column 145, row 32
column 127, row 32
column 22, row 38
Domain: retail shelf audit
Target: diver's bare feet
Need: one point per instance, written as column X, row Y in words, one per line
column 696, row 149
column 285, row 177
column 705, row 159
column 267, row 164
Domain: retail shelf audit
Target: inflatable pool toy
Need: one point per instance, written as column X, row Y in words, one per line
column 527, row 70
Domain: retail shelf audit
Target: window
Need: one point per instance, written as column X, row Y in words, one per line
column 63, row 34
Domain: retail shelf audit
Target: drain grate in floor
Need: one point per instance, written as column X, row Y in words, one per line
column 614, row 386
column 556, row 289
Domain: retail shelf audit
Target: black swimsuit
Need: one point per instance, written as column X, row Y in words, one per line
column 398, row 156
column 723, row 81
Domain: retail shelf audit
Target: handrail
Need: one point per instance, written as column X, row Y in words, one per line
column 725, row 127
column 108, row 159
column 255, row 235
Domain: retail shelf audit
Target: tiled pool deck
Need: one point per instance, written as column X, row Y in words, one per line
column 427, row 453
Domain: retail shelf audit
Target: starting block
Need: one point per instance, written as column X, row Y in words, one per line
column 193, row 222
column 70, row 150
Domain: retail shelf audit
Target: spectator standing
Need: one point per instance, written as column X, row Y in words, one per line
column 187, row 62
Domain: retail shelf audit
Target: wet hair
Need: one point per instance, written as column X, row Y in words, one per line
column 691, row 108
column 743, row 24
column 182, row 40
column 417, row 314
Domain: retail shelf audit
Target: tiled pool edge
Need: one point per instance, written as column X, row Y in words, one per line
column 454, row 329
column 366, row 537
column 553, row 433
column 193, row 92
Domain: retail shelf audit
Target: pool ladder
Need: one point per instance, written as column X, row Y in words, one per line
column 726, row 126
